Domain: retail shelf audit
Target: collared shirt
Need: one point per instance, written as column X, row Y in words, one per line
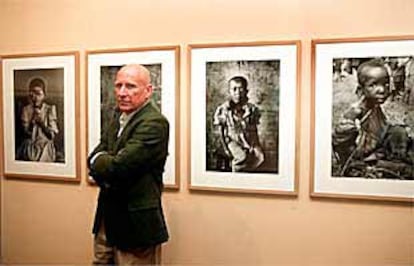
column 123, row 121
column 124, row 118
column 240, row 126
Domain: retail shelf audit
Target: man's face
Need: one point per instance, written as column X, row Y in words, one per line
column 237, row 92
column 131, row 92
column 377, row 85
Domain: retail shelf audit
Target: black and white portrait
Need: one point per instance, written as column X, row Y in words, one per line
column 242, row 116
column 373, row 117
column 39, row 115
column 243, row 106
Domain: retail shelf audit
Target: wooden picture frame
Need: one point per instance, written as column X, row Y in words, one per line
column 272, row 71
column 40, row 126
column 163, row 62
column 346, row 161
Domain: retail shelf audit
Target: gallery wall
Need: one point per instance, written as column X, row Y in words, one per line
column 45, row 222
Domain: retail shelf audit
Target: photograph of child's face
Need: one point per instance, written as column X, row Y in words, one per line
column 37, row 96
column 377, row 85
column 237, row 91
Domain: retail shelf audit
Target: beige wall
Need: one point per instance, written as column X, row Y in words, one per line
column 43, row 222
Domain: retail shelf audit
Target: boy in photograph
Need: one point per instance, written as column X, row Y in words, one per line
column 237, row 121
column 363, row 140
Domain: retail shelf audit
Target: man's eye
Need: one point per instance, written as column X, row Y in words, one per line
column 127, row 86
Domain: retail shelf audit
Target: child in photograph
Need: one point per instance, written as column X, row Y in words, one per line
column 363, row 126
column 364, row 142
column 39, row 123
column 237, row 120
column 397, row 68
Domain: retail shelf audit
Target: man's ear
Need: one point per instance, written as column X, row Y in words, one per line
column 149, row 90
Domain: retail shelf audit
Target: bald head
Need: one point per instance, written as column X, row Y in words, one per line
column 141, row 73
column 132, row 87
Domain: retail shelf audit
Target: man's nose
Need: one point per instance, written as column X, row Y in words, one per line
column 122, row 90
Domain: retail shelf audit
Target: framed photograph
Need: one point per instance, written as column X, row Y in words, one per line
column 40, row 96
column 244, row 115
column 362, row 133
column 163, row 64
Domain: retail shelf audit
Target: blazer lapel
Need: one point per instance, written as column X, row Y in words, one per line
column 120, row 141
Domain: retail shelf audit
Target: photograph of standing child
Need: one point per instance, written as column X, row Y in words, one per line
column 39, row 123
column 39, row 105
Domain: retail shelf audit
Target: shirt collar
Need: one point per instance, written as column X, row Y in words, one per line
column 124, row 117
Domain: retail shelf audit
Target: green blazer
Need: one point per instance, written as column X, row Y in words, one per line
column 129, row 174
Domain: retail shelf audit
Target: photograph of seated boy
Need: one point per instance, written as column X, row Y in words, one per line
column 237, row 120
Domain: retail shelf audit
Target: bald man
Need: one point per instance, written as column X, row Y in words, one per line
column 127, row 165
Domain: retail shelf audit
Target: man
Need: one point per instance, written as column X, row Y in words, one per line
column 127, row 165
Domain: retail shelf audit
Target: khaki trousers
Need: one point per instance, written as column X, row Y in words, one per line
column 105, row 254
